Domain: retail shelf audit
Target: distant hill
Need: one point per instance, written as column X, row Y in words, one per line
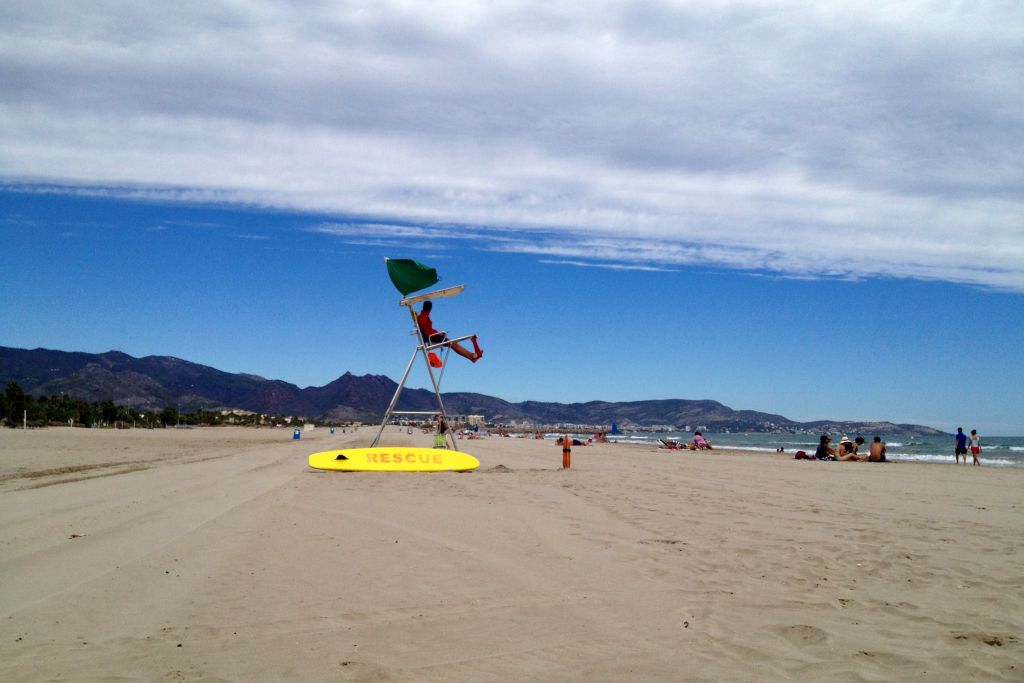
column 155, row 382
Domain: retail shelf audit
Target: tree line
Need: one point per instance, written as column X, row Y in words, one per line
column 16, row 405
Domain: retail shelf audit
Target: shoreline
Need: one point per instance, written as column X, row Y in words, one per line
column 995, row 454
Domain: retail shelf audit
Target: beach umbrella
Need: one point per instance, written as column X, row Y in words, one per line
column 410, row 276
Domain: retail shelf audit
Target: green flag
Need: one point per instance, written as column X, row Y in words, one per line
column 410, row 276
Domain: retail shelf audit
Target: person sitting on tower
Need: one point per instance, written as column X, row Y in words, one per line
column 432, row 336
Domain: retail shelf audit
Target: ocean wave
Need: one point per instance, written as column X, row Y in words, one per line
column 949, row 460
column 757, row 449
column 921, row 457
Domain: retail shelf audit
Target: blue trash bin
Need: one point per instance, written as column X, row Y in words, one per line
column 297, row 435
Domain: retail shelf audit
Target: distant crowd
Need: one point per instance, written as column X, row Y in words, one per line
column 846, row 450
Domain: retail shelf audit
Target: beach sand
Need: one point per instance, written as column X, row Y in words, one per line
column 216, row 554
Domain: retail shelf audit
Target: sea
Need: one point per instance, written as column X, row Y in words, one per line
column 996, row 451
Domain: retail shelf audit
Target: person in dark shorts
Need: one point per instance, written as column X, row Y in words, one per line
column 432, row 336
column 961, row 445
column 877, row 452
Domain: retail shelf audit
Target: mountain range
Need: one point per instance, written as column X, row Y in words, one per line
column 155, row 382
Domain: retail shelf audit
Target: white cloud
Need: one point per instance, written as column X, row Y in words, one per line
column 819, row 139
column 609, row 266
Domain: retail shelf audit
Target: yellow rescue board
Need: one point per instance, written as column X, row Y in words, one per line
column 394, row 459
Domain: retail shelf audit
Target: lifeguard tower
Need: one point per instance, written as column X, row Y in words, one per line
column 410, row 276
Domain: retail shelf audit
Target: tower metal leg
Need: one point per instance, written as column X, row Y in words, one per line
column 440, row 403
column 394, row 399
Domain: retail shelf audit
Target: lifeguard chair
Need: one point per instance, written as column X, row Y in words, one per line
column 410, row 276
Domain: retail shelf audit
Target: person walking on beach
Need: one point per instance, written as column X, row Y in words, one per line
column 961, row 445
column 975, row 447
column 432, row 336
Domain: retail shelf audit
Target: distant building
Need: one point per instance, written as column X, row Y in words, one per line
column 235, row 416
column 475, row 420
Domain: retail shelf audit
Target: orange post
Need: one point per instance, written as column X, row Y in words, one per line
column 566, row 453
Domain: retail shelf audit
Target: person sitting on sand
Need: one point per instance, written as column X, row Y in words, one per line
column 432, row 336
column 825, row 452
column 877, row 452
column 848, row 450
column 700, row 442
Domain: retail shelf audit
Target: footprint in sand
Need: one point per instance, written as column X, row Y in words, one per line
column 802, row 634
column 987, row 638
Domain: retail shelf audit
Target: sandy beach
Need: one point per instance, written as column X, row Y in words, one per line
column 217, row 555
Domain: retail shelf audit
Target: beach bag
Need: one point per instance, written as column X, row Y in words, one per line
column 800, row 455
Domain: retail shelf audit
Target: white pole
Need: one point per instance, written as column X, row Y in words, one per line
column 24, row 420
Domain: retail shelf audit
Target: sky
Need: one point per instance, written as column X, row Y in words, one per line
column 814, row 209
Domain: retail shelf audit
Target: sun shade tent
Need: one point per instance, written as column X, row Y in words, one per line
column 410, row 276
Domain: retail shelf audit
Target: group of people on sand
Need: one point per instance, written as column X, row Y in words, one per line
column 961, row 446
column 699, row 443
column 846, row 450
column 849, row 450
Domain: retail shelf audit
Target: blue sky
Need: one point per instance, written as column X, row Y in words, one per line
column 813, row 209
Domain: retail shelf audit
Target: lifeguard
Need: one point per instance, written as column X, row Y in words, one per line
column 432, row 337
